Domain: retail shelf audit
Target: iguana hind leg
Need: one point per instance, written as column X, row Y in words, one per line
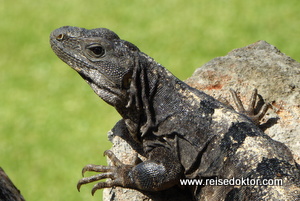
column 252, row 107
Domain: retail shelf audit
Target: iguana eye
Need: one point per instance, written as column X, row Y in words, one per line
column 96, row 51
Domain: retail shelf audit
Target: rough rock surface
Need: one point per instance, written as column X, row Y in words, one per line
column 276, row 77
column 259, row 65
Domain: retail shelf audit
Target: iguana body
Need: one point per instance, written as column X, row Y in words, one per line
column 184, row 132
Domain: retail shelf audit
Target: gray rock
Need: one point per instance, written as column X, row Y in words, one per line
column 128, row 154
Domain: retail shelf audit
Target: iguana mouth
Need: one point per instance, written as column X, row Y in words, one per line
column 88, row 79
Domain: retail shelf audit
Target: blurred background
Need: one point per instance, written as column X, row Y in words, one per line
column 51, row 122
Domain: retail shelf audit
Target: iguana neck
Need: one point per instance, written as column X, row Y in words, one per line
column 148, row 79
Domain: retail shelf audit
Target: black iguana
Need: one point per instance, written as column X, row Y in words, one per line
column 184, row 132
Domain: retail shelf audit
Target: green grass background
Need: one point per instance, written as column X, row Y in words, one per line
column 52, row 124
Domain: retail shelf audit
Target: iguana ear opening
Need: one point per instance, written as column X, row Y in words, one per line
column 127, row 80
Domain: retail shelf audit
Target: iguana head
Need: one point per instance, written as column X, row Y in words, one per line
column 104, row 60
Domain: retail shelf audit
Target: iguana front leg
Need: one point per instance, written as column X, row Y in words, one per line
column 115, row 173
column 160, row 172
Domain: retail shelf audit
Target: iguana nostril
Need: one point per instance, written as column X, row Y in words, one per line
column 60, row 37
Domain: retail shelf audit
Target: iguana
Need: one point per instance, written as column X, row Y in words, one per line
column 185, row 133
